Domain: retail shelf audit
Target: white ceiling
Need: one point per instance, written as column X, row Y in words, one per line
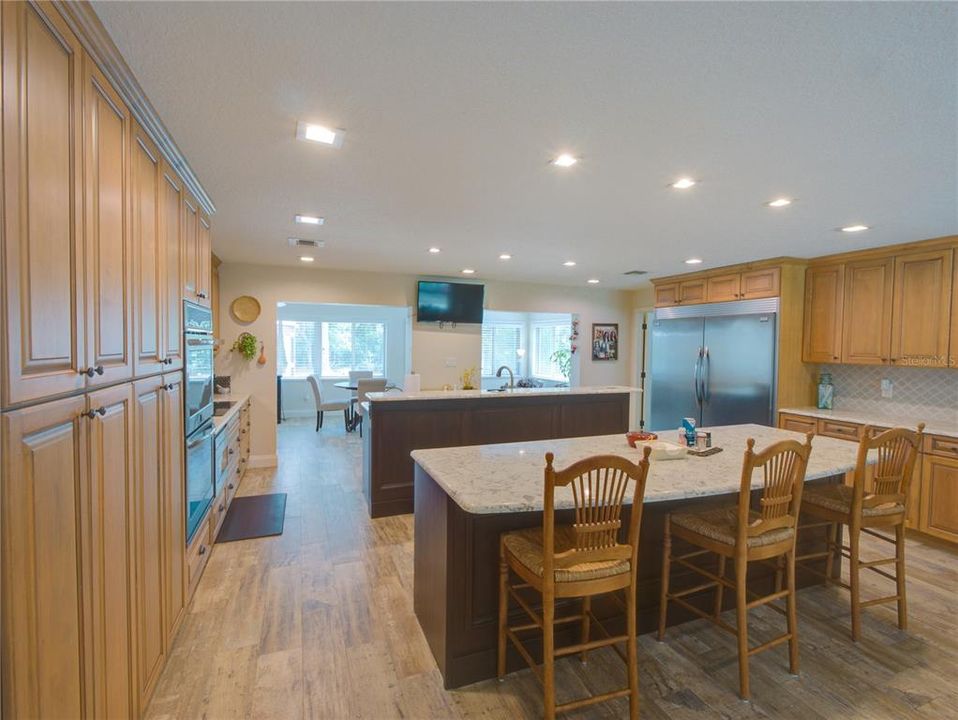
column 453, row 110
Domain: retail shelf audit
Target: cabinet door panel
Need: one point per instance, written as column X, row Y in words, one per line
column 171, row 219
column 824, row 300
column 921, row 312
column 953, row 356
column 939, row 497
column 666, row 295
column 149, row 533
column 722, row 288
column 204, row 259
column 42, row 259
column 109, row 506
column 109, row 257
column 42, row 652
column 866, row 337
column 148, row 256
column 761, row 283
column 174, row 504
column 190, row 249
column 691, row 292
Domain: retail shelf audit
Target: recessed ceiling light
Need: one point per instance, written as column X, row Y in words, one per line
column 569, row 263
column 593, row 281
column 467, row 271
column 779, row 202
column 854, row 228
column 434, row 250
column 694, row 261
column 505, row 256
column 319, row 134
column 565, row 160
column 683, row 183
column 306, row 258
column 309, row 220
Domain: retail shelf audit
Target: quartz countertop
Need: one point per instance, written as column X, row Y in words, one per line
column 471, row 394
column 509, row 477
column 237, row 399
column 881, row 418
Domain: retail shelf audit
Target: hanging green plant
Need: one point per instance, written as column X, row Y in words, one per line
column 246, row 345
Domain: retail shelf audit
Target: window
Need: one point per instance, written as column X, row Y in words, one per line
column 500, row 346
column 353, row 346
column 297, row 348
column 547, row 338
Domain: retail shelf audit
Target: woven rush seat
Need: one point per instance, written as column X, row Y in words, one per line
column 839, row 498
column 720, row 524
column 526, row 547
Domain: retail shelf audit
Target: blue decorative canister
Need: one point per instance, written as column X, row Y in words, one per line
column 826, row 391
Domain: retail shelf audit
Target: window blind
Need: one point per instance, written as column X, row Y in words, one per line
column 547, row 338
column 500, row 346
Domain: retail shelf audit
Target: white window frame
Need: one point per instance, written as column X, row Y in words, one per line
column 517, row 368
column 323, row 351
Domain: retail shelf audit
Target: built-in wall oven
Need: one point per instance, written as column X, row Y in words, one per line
column 198, row 405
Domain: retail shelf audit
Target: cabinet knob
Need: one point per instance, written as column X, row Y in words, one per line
column 222, row 507
column 167, row 361
column 201, row 295
column 834, row 357
column 168, row 386
column 231, row 451
column 89, row 372
column 202, row 549
column 93, row 412
column 237, row 471
column 98, row 370
column 231, row 486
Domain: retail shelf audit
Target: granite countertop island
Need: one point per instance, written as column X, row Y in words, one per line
column 466, row 497
column 508, row 477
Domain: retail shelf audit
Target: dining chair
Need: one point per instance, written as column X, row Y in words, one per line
column 880, row 501
column 322, row 407
column 363, row 388
column 354, row 377
column 744, row 535
column 579, row 561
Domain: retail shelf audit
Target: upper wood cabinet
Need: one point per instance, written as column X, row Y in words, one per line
column 723, row 287
column 868, row 309
column 109, row 256
column 171, row 234
column 43, row 618
column 42, row 201
column 190, row 230
column 921, row 318
column 204, row 259
column 149, row 256
column 719, row 286
column 824, row 307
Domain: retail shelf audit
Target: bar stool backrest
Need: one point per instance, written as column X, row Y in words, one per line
column 599, row 485
column 783, row 466
column 898, row 450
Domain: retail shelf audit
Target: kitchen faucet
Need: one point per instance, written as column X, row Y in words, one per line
column 512, row 378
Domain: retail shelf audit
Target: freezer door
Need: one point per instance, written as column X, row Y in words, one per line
column 677, row 348
column 738, row 373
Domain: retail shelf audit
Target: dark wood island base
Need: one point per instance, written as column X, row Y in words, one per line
column 456, row 578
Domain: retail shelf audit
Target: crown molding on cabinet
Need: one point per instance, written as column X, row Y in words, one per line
column 85, row 23
column 741, row 267
column 937, row 243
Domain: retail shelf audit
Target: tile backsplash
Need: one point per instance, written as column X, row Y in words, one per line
column 931, row 393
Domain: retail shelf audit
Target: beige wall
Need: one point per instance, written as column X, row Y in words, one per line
column 431, row 346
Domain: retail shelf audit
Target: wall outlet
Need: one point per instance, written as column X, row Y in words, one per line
column 451, row 362
column 887, row 388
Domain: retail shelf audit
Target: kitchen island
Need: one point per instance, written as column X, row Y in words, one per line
column 465, row 497
column 398, row 423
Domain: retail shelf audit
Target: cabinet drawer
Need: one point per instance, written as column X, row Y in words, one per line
column 797, row 423
column 840, row 430
column 944, row 446
column 197, row 555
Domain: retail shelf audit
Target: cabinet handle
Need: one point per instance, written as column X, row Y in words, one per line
column 237, row 471
column 93, row 412
column 98, row 370
column 231, row 451
column 167, row 361
column 168, row 387
column 89, row 372
column 201, row 295
column 894, row 360
column 202, row 550
column 231, row 486
column 222, row 507
column 834, row 357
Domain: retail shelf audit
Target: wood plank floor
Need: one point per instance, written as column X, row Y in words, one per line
column 318, row 623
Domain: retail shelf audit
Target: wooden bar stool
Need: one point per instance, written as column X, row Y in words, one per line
column 885, row 505
column 577, row 561
column 745, row 535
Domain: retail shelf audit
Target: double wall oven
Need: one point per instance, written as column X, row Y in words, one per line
column 198, row 369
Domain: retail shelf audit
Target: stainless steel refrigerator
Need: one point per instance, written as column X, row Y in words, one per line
column 715, row 363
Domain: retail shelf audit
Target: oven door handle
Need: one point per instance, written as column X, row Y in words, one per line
column 207, row 434
column 200, row 341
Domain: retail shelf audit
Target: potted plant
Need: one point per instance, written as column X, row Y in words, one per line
column 245, row 345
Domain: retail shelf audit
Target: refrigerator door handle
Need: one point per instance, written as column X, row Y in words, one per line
column 706, row 389
column 697, row 377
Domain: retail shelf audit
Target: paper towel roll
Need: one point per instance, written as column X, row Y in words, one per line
column 412, row 383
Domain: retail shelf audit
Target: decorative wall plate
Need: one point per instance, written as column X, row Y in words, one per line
column 245, row 308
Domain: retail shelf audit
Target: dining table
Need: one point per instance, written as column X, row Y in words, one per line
column 352, row 417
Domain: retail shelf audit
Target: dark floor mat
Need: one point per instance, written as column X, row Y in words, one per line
column 254, row 516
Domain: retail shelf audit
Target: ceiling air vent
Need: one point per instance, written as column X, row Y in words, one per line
column 300, row 243
column 636, row 272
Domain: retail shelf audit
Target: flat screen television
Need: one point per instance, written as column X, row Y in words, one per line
column 450, row 302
